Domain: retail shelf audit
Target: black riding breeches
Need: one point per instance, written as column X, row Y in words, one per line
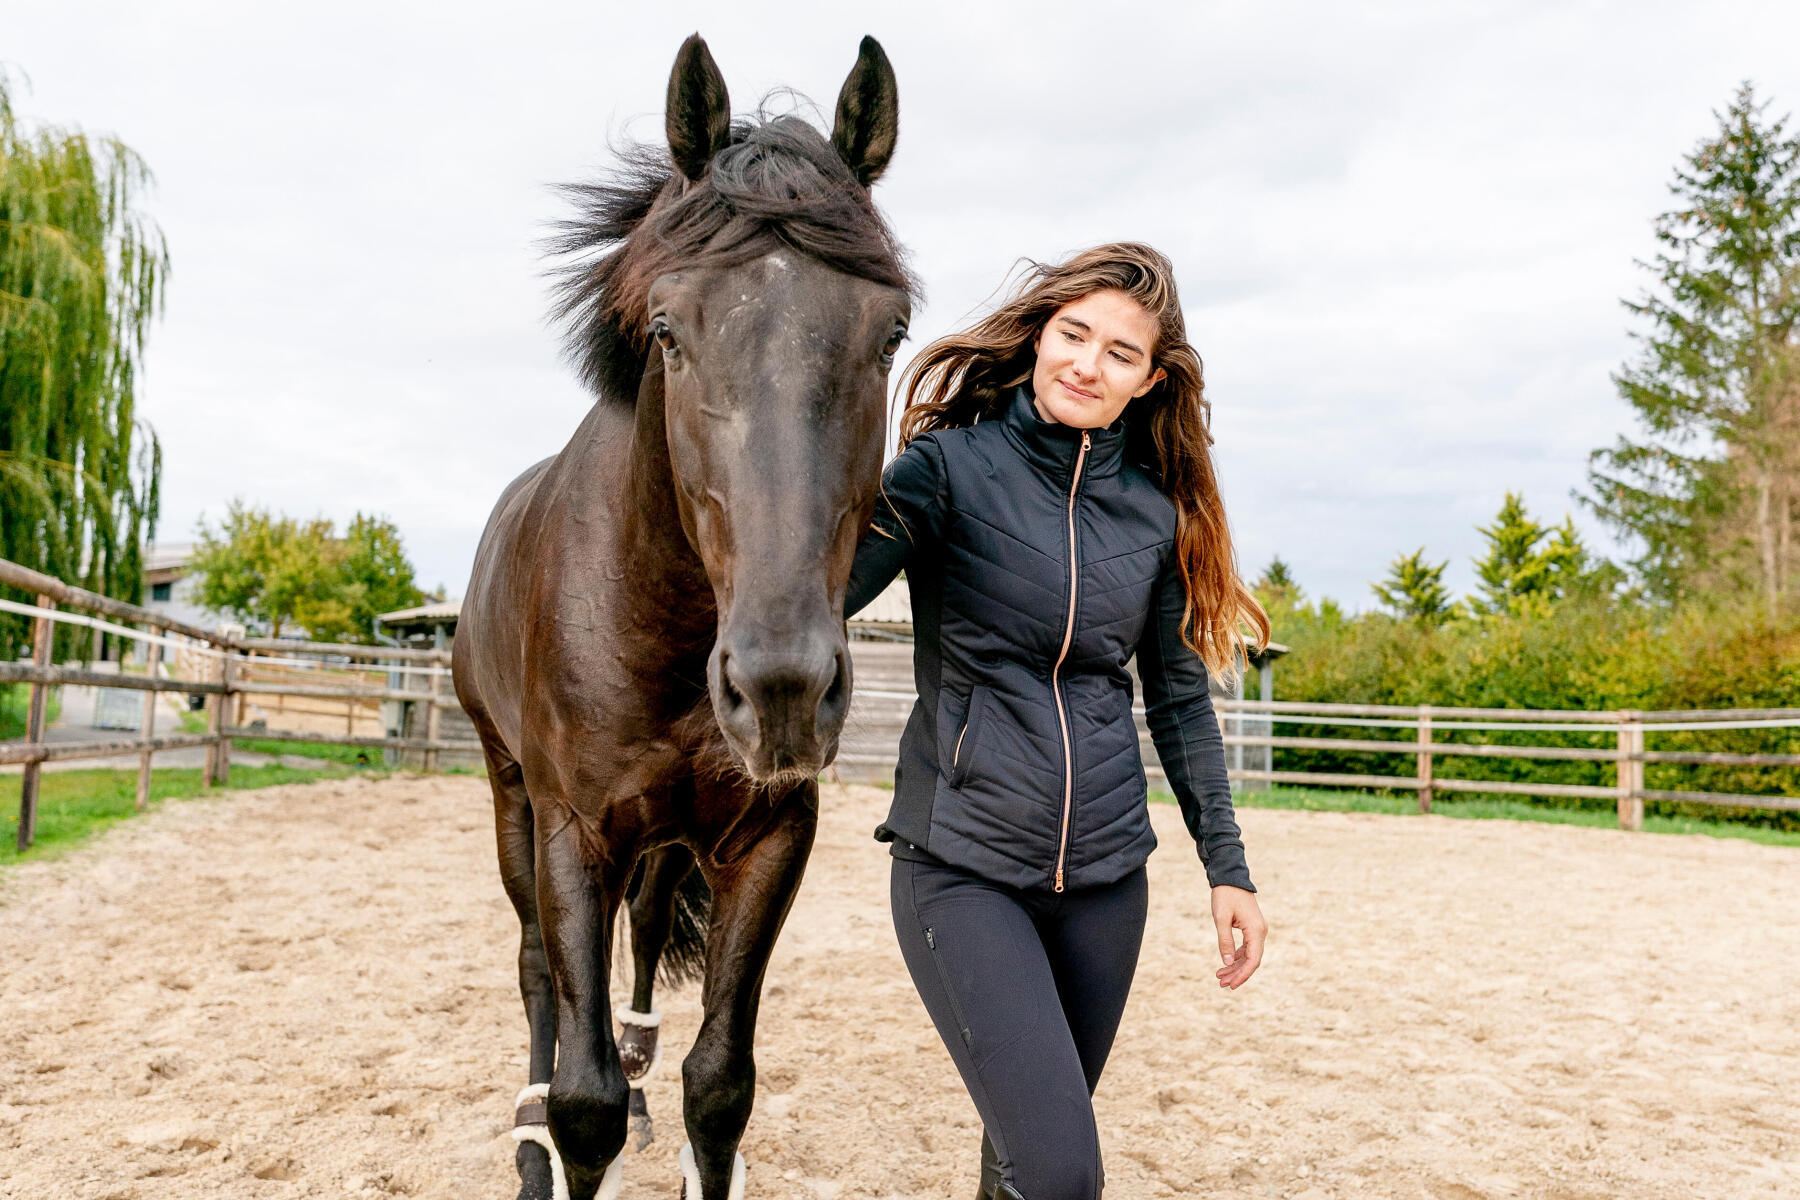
column 1026, row 989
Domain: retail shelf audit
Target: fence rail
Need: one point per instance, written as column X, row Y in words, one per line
column 1628, row 754
column 231, row 661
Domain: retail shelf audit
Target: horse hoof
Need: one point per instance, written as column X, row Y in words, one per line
column 690, row 1177
column 640, row 1049
column 641, row 1132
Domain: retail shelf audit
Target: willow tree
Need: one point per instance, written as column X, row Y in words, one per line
column 82, row 269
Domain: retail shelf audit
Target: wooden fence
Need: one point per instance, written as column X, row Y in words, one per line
column 243, row 668
column 883, row 699
column 1627, row 756
column 236, row 669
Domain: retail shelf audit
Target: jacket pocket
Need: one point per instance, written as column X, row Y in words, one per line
column 968, row 738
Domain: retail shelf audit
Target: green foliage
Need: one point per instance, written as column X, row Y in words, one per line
column 15, row 702
column 1277, row 585
column 379, row 576
column 1521, row 572
column 1714, row 475
column 82, row 270
column 279, row 573
column 1414, row 590
column 1588, row 652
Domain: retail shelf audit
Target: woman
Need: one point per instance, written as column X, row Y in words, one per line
column 1055, row 511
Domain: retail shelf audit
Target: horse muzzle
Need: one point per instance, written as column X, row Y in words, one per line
column 781, row 705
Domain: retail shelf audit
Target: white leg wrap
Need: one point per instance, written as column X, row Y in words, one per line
column 690, row 1176
column 610, row 1183
column 650, row 1020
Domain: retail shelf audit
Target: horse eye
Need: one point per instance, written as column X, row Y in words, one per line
column 665, row 337
column 893, row 344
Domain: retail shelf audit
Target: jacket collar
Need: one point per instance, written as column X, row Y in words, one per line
column 1053, row 447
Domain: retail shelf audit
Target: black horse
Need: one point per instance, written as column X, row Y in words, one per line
column 652, row 645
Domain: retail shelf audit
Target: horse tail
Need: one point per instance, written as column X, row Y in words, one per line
column 684, row 955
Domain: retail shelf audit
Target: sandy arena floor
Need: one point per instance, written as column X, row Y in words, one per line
column 309, row 991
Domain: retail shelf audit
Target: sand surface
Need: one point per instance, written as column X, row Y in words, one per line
column 309, row 991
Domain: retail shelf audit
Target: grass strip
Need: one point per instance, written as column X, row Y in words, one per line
column 73, row 806
column 1481, row 808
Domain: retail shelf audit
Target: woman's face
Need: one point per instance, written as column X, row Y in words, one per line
column 1093, row 358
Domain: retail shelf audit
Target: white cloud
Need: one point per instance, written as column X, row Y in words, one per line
column 1402, row 229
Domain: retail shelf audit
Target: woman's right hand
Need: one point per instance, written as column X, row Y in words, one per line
column 1232, row 909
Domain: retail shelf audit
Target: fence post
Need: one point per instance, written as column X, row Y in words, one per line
column 1424, row 758
column 41, row 639
column 216, row 770
column 221, row 717
column 242, row 717
column 147, row 726
column 431, row 720
column 1631, row 771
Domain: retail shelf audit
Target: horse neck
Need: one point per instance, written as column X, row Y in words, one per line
column 668, row 580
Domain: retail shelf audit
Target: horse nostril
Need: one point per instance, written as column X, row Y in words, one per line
column 840, row 683
column 733, row 697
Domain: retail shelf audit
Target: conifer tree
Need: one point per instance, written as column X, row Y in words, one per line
column 1277, row 585
column 1414, row 590
column 1521, row 571
column 1710, row 489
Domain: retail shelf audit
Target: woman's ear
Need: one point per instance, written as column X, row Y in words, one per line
column 1156, row 377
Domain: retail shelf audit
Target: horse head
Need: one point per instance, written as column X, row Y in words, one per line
column 774, row 343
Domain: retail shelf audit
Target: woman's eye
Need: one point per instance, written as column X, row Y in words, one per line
column 1069, row 337
column 665, row 337
column 1117, row 357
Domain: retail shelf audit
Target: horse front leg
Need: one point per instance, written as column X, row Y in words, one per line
column 750, row 900
column 652, row 908
column 518, row 872
column 579, row 890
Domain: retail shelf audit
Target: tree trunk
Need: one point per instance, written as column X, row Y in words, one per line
column 1765, row 537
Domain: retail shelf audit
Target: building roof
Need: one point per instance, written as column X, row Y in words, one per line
column 892, row 607
column 167, row 556
column 445, row 612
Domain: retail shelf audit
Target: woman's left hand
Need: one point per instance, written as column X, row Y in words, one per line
column 1234, row 908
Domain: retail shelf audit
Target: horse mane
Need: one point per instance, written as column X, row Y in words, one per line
column 777, row 182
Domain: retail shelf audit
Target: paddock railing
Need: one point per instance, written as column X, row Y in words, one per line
column 230, row 671
column 881, row 713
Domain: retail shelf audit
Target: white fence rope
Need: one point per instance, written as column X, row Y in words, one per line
column 195, row 647
column 1438, row 723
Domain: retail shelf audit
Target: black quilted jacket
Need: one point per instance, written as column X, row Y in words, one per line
column 1039, row 561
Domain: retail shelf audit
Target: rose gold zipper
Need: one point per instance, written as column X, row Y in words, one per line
column 1062, row 717
column 956, row 755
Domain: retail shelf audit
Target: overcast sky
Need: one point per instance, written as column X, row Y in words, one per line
column 1402, row 231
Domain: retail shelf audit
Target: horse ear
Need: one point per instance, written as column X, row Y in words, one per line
column 699, row 110
column 868, row 114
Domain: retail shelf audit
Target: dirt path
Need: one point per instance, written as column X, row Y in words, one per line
column 309, row 991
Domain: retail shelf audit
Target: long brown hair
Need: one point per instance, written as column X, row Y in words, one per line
column 966, row 377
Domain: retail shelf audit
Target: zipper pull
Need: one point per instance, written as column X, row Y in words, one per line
column 1059, row 879
column 1084, row 441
